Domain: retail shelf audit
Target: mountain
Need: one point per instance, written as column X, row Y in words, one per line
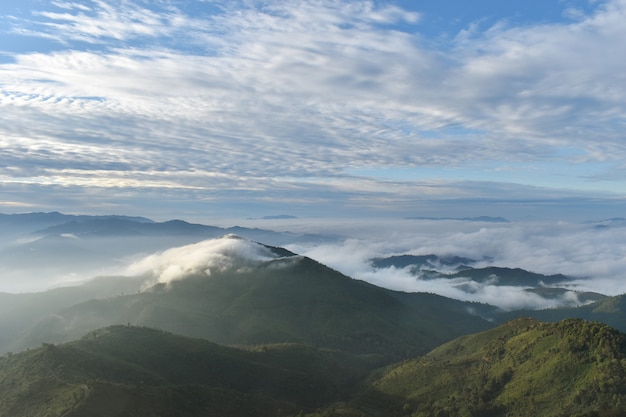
column 20, row 312
column 122, row 227
column 522, row 368
column 41, row 250
column 609, row 223
column 488, row 219
column 276, row 217
column 455, row 267
column 581, row 297
column 242, row 292
column 28, row 222
column 463, row 274
column 124, row 371
column 418, row 263
column 608, row 310
column 509, row 276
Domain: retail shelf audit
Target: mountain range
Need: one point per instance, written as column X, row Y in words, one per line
column 229, row 326
column 282, row 298
column 522, row 368
column 464, row 273
column 43, row 250
column 133, row 371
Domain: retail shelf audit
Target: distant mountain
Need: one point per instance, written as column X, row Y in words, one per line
column 522, row 368
column 608, row 310
column 488, row 219
column 287, row 298
column 46, row 219
column 463, row 275
column 423, row 262
column 25, row 223
column 120, row 227
column 88, row 246
column 509, row 276
column 609, row 223
column 126, row 371
column 20, row 312
column 276, row 217
column 123, row 227
column 582, row 297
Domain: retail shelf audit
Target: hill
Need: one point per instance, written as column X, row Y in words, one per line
column 418, row 263
column 107, row 227
column 510, row 276
column 522, row 368
column 20, row 312
column 247, row 293
column 124, row 371
column 462, row 274
column 608, row 310
column 42, row 250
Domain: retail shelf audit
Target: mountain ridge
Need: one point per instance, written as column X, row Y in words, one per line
column 288, row 298
column 133, row 371
column 523, row 367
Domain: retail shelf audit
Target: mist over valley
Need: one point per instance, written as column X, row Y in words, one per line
column 316, row 208
column 326, row 292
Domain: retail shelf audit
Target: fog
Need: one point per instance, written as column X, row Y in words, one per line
column 205, row 257
column 592, row 253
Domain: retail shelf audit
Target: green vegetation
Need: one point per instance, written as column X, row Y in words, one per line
column 292, row 300
column 522, row 368
column 129, row 371
column 608, row 310
column 303, row 340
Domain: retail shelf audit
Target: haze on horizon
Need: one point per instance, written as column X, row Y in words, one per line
column 43, row 251
column 322, row 108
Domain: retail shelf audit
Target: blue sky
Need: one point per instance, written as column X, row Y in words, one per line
column 320, row 108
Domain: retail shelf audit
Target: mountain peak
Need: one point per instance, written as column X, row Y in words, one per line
column 228, row 252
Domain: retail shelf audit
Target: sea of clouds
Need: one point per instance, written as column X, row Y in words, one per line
column 591, row 253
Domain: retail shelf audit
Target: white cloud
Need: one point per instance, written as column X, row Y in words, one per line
column 117, row 20
column 293, row 90
column 592, row 256
column 202, row 258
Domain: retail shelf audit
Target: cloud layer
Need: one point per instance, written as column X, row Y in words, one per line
column 203, row 258
column 290, row 99
column 590, row 253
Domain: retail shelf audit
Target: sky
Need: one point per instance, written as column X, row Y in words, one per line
column 201, row 109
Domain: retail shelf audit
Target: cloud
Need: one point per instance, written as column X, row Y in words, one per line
column 100, row 21
column 295, row 94
column 203, row 258
column 592, row 256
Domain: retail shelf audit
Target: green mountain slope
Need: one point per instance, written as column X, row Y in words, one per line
column 522, row 368
column 19, row 312
column 293, row 299
column 127, row 371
